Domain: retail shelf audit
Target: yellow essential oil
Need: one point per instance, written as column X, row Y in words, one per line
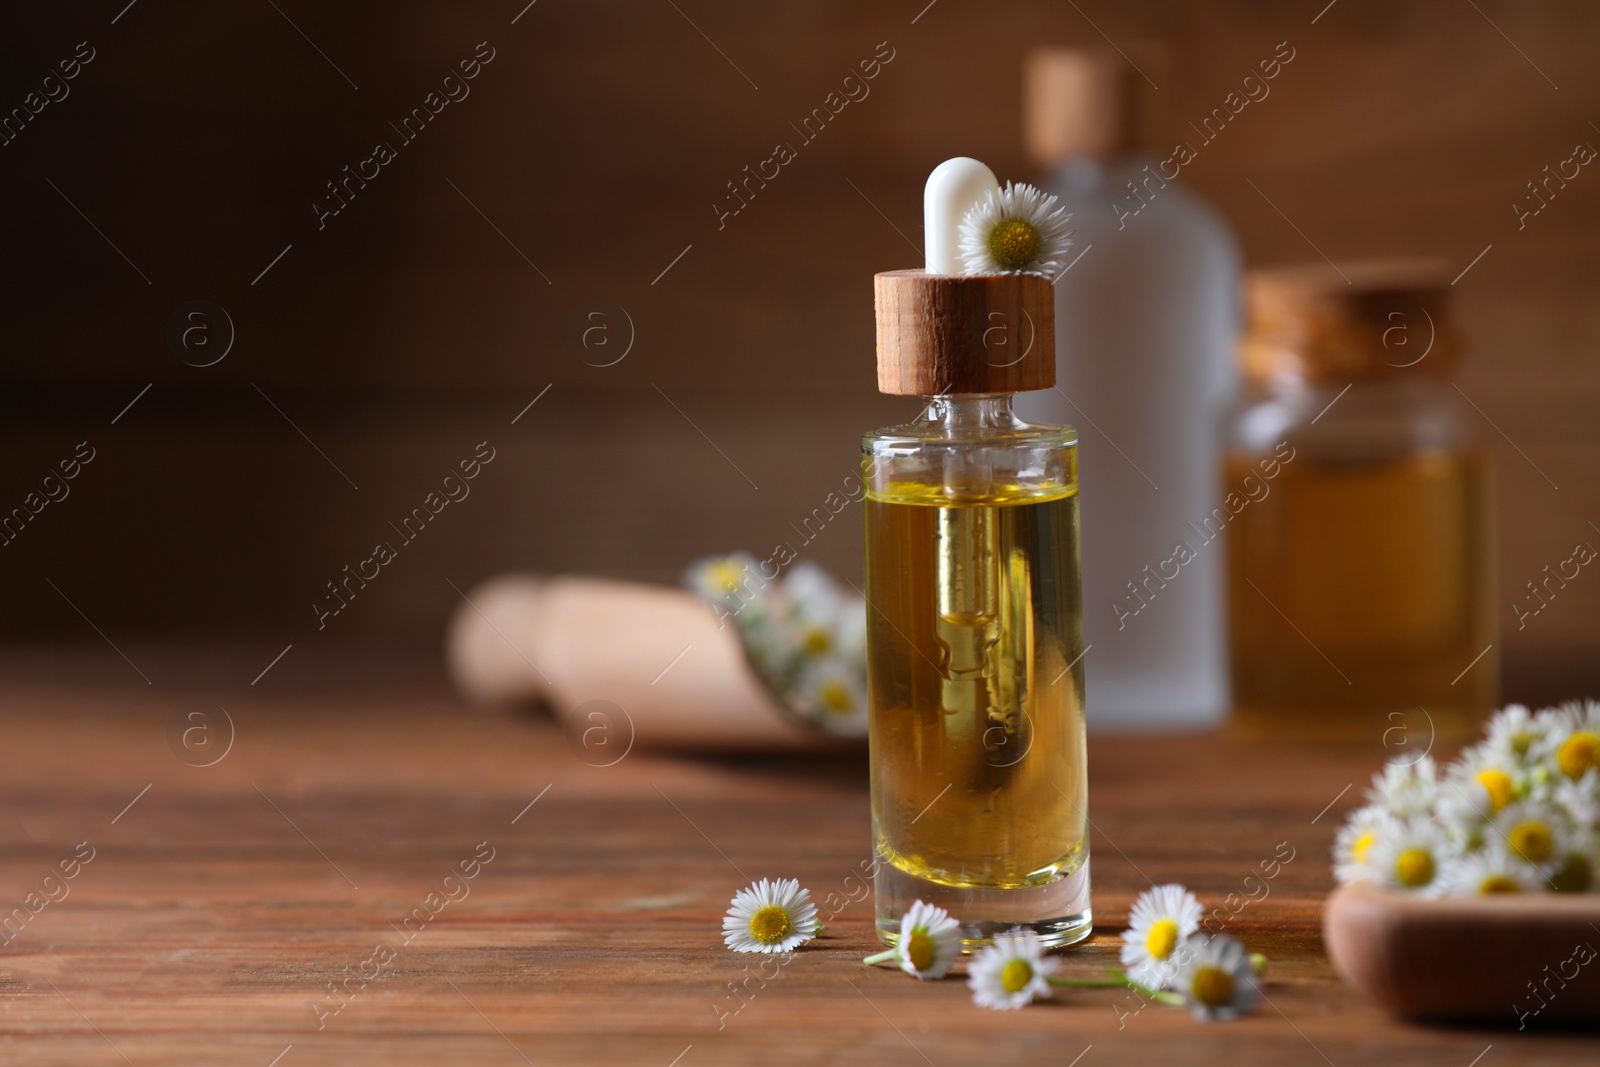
column 1386, row 570
column 975, row 662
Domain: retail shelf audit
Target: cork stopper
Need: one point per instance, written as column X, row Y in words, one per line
column 1366, row 320
column 1093, row 101
column 964, row 333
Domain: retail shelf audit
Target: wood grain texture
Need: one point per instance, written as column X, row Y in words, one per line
column 220, row 904
column 949, row 333
column 408, row 328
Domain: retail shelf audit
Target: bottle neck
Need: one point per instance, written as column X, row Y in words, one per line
column 970, row 414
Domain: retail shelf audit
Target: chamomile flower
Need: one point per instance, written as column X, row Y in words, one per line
column 1580, row 799
column 1489, row 774
column 1536, row 834
column 1161, row 918
column 1491, row 870
column 930, row 941
column 1413, row 856
column 816, row 607
column 770, row 916
column 1519, row 811
column 1352, row 847
column 804, row 635
column 1573, row 743
column 731, row 581
column 1517, row 732
column 1575, row 868
column 1482, row 783
column 1215, row 977
column 1407, row 790
column 832, row 694
column 1010, row 972
column 1020, row 230
column 768, row 644
column 853, row 631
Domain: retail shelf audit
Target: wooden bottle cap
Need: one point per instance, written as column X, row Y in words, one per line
column 964, row 333
column 1094, row 101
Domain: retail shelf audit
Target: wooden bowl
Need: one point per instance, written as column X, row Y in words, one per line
column 1516, row 959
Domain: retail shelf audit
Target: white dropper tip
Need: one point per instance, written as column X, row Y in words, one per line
column 955, row 187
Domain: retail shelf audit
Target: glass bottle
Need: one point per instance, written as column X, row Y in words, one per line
column 975, row 643
column 1360, row 524
column 1148, row 324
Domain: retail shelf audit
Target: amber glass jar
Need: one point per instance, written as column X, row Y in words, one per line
column 1361, row 553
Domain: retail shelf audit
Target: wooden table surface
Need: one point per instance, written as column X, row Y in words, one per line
column 222, row 901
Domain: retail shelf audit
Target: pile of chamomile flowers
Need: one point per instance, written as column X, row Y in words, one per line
column 805, row 636
column 1168, row 959
column 1518, row 812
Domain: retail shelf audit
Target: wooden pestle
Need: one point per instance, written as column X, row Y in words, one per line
column 657, row 654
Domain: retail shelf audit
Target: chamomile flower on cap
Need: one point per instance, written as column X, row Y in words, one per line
column 1489, row 871
column 1352, row 847
column 1011, row 972
column 1161, row 918
column 770, row 916
column 930, row 941
column 1413, row 857
column 1018, row 230
column 1215, row 977
column 1406, row 789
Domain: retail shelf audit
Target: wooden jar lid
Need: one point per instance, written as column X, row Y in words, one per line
column 1327, row 324
column 964, row 333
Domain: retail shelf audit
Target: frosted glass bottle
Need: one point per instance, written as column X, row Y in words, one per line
column 1147, row 317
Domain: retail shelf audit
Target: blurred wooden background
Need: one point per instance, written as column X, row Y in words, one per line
column 455, row 287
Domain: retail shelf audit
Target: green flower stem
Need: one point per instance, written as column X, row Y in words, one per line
column 1118, row 980
column 881, row 957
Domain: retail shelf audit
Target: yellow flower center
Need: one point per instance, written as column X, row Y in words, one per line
column 1363, row 845
column 1499, row 883
column 1212, row 986
column 818, row 641
column 1578, row 753
column 836, row 698
column 1414, row 868
column 919, row 950
column 1497, row 784
column 1014, row 243
column 1532, row 840
column 770, row 925
column 1162, row 939
column 1575, row 875
column 728, row 576
column 1015, row 976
